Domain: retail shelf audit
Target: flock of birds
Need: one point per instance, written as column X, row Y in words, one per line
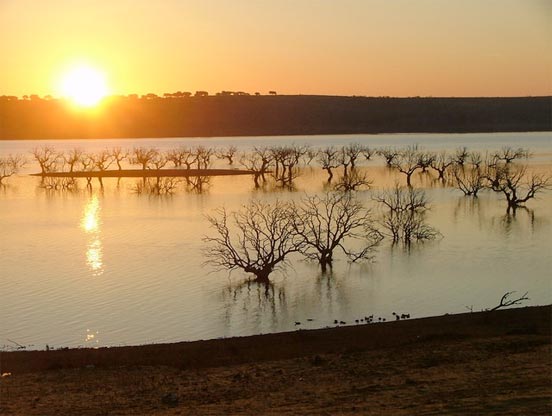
column 366, row 320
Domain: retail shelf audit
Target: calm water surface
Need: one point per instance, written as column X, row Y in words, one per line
column 111, row 267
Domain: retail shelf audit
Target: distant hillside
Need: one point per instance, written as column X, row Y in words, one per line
column 270, row 115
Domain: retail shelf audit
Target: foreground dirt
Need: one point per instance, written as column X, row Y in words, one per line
column 499, row 363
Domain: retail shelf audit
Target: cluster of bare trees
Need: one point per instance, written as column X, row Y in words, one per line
column 500, row 172
column 76, row 159
column 259, row 238
column 466, row 170
column 404, row 215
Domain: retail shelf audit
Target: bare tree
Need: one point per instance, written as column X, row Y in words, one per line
column 179, row 156
column 158, row 161
column 310, row 155
column 407, row 161
column 87, row 162
column 404, row 216
column 515, row 184
column 102, row 160
column 203, row 156
column 508, row 154
column 118, row 155
column 331, row 222
column 10, row 165
column 389, row 154
column 475, row 159
column 352, row 152
column 227, row 153
column 426, row 160
column 143, row 156
column 469, row 179
column 257, row 162
column 328, row 158
column 505, row 301
column 73, row 157
column 353, row 181
column 257, row 239
column 46, row 157
column 461, row 155
column 441, row 162
column 290, row 157
column 368, row 152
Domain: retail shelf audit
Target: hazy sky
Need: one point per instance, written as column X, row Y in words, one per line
column 343, row 47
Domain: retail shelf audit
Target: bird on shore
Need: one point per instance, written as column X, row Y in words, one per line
column 297, row 323
column 342, row 322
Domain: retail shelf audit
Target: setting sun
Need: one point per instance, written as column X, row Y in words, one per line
column 84, row 85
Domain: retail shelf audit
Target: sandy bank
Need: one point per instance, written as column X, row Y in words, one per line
column 480, row 363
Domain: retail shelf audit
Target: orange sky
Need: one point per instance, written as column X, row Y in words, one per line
column 342, row 47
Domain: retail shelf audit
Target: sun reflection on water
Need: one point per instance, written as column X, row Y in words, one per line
column 90, row 223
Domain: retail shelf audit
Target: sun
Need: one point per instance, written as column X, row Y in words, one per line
column 84, row 85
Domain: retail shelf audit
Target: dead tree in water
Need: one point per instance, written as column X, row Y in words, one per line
column 143, row 156
column 73, row 157
column 440, row 163
column 461, row 155
column 257, row 162
column 102, row 160
column 46, row 157
column 118, row 156
column 328, row 158
column 407, row 161
column 257, row 239
column 469, row 179
column 514, row 183
column 508, row 154
column 203, row 156
column 10, row 165
column 228, row 153
column 353, row 181
column 389, row 154
column 178, row 156
column 404, row 215
column 328, row 223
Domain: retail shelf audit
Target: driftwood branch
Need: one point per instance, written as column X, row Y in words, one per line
column 505, row 301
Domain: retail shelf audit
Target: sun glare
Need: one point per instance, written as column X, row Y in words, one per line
column 84, row 85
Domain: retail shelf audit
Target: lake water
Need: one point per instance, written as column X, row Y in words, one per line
column 106, row 267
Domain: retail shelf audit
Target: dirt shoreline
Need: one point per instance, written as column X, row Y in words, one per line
column 475, row 363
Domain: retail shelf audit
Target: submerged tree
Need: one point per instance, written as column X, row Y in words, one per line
column 332, row 222
column 227, row 153
column 10, row 165
column 404, row 215
column 143, row 156
column 407, row 161
column 258, row 162
column 469, row 179
column 353, row 181
column 73, row 157
column 256, row 239
column 389, row 154
column 328, row 157
column 508, row 154
column 46, row 157
column 441, row 162
column 118, row 155
column 515, row 184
